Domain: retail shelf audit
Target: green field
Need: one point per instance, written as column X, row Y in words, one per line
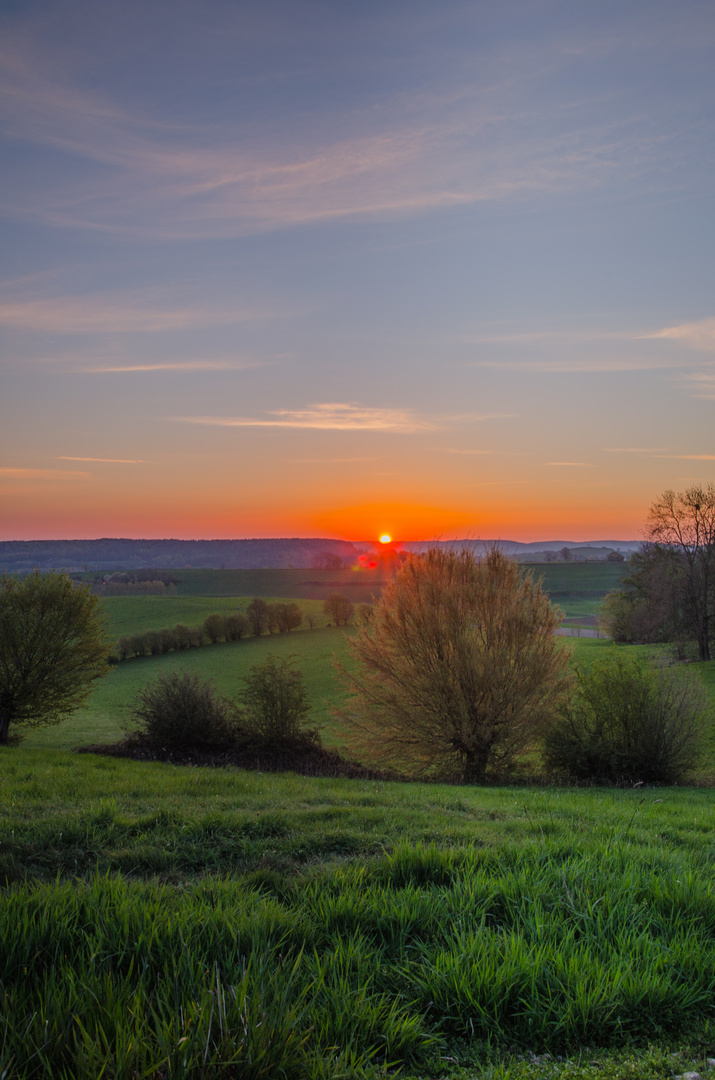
column 580, row 587
column 568, row 583
column 161, row 921
column 164, row 921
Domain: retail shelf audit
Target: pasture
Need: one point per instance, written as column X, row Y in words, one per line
column 161, row 921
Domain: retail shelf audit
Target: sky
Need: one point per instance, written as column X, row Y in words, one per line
column 326, row 268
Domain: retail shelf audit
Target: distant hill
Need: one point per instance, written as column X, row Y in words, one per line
column 598, row 549
column 108, row 554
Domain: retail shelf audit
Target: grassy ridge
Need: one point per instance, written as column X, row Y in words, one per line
column 273, row 926
column 108, row 708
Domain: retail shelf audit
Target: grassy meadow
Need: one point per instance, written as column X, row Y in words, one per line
column 161, row 921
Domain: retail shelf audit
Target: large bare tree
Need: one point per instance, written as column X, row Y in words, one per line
column 685, row 521
column 458, row 667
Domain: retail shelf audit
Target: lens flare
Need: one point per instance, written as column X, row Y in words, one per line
column 385, row 538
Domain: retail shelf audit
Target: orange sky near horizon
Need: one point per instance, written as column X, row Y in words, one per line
column 278, row 270
column 149, row 514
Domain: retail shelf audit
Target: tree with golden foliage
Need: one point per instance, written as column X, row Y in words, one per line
column 459, row 665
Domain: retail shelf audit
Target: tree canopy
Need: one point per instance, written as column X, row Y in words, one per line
column 52, row 647
column 669, row 592
column 458, row 667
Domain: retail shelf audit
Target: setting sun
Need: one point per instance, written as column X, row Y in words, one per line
column 385, row 538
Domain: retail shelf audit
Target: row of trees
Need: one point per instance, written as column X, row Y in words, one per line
column 260, row 618
column 54, row 643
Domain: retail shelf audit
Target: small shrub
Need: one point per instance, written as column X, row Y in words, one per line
column 168, row 640
column 629, row 721
column 153, row 642
column 237, row 626
column 215, row 628
column 291, row 617
column 182, row 635
column 183, row 712
column 137, row 645
column 275, row 703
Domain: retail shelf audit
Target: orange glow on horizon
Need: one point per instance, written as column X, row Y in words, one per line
column 385, row 538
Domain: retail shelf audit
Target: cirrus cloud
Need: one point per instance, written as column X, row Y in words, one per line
column 329, row 416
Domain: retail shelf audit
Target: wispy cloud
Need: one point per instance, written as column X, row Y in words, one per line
column 330, row 416
column 658, row 452
column 174, row 365
column 474, row 141
column 701, row 384
column 457, row 450
column 106, row 460
column 582, row 364
column 12, row 473
column 688, row 457
column 330, row 460
column 103, row 313
column 699, row 335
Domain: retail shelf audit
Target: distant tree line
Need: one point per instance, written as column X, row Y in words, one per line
column 260, row 617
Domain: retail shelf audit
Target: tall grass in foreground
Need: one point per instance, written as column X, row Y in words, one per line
column 158, row 921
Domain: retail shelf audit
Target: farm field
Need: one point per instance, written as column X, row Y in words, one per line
column 166, row 921
column 566, row 582
column 161, row 921
column 577, row 588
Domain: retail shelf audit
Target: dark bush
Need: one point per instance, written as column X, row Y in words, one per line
column 257, row 612
column 182, row 635
column 291, row 617
column 237, row 626
column 138, row 645
column 275, row 704
column 179, row 711
column 629, row 721
column 215, row 628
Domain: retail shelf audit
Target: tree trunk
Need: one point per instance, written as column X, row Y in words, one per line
column 4, row 725
column 475, row 767
column 704, row 637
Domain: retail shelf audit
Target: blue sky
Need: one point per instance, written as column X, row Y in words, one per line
column 333, row 269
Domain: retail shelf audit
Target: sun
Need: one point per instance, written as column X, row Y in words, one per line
column 385, row 538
